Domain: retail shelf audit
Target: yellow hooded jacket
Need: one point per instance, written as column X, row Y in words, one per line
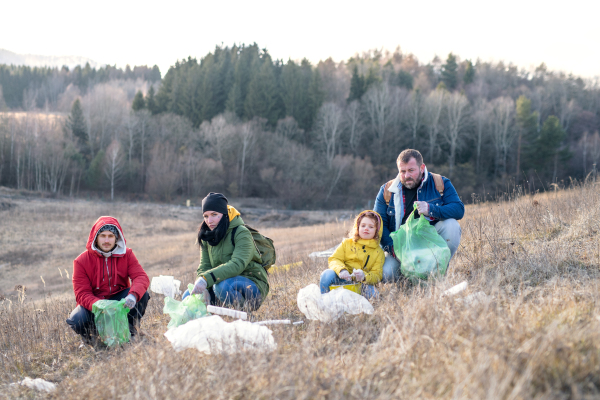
column 362, row 254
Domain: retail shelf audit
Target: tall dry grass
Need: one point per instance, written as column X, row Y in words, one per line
column 535, row 335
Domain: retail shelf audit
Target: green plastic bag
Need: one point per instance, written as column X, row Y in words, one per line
column 111, row 321
column 421, row 250
column 190, row 308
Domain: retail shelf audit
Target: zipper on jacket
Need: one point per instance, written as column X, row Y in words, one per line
column 108, row 273
column 366, row 262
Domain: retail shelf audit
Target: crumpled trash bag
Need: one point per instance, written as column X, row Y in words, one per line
column 332, row 305
column 165, row 285
column 37, row 384
column 111, row 321
column 421, row 250
column 192, row 307
column 212, row 335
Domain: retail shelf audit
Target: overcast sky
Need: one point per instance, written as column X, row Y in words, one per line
column 565, row 35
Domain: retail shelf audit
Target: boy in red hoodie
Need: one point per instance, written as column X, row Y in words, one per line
column 107, row 270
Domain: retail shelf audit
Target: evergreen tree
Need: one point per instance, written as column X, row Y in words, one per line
column 547, row 146
column 151, row 101
column 261, row 99
column 527, row 126
column 404, row 79
column 357, row 86
column 138, row 101
column 469, row 76
column 449, row 72
column 77, row 127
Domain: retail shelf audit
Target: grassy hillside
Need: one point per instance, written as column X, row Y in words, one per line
column 537, row 335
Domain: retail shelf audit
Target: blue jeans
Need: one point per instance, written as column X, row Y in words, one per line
column 329, row 277
column 239, row 292
column 449, row 229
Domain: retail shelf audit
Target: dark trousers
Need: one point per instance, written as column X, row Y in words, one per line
column 81, row 319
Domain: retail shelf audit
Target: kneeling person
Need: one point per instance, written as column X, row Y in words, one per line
column 359, row 256
column 107, row 270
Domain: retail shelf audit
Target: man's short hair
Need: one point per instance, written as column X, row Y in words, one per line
column 407, row 154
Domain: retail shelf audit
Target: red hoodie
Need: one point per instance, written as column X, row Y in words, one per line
column 98, row 275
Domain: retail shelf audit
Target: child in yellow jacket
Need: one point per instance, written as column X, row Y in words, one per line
column 359, row 257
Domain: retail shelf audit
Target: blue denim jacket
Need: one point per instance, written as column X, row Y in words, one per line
column 440, row 207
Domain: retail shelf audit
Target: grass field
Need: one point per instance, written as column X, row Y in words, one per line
column 536, row 335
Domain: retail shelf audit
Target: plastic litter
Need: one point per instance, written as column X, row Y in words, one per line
column 190, row 308
column 111, row 321
column 38, row 384
column 332, row 305
column 274, row 322
column 323, row 254
column 456, row 289
column 165, row 285
column 212, row 335
column 298, row 323
column 422, row 251
column 475, row 298
column 228, row 312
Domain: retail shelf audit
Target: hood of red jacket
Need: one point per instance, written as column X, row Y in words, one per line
column 121, row 242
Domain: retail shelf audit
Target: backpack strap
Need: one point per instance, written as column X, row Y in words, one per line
column 387, row 195
column 439, row 183
column 233, row 236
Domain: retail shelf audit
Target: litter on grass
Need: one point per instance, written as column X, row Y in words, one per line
column 212, row 335
column 190, row 308
column 332, row 305
column 456, row 289
column 228, row 312
column 165, row 285
column 323, row 254
column 38, row 384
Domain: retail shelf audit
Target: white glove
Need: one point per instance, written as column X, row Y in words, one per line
column 423, row 207
column 130, row 301
column 345, row 275
column 359, row 275
column 199, row 286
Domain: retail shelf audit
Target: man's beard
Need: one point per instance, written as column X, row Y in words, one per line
column 412, row 184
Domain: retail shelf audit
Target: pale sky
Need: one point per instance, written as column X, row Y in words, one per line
column 565, row 35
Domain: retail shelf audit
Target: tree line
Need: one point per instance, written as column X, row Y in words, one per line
column 324, row 135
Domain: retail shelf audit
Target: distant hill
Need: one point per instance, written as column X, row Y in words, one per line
column 34, row 60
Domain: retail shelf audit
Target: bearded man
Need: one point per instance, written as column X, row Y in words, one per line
column 107, row 270
column 436, row 200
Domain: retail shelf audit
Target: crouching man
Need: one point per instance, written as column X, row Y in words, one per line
column 107, row 270
column 436, row 200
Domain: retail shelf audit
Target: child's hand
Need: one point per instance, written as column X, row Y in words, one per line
column 359, row 275
column 345, row 275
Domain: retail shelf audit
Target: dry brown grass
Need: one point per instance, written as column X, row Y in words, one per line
column 536, row 336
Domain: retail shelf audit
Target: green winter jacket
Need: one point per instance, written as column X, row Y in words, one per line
column 223, row 261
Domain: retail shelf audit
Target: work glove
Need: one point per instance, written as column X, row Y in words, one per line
column 423, row 207
column 345, row 275
column 130, row 301
column 359, row 275
column 206, row 297
column 199, row 286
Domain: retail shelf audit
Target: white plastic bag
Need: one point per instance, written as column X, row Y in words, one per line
column 331, row 306
column 165, row 285
column 212, row 335
column 38, row 384
column 324, row 253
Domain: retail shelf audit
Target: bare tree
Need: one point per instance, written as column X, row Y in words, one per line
column 481, row 121
column 288, row 127
column 354, row 125
column 143, row 127
column 382, row 107
column 247, row 132
column 328, row 126
column 456, row 106
column 113, row 166
column 434, row 104
column 503, row 132
column 415, row 112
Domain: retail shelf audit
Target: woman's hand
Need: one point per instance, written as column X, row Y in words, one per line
column 200, row 286
column 345, row 275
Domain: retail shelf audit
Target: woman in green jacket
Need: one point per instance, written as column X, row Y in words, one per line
column 230, row 271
